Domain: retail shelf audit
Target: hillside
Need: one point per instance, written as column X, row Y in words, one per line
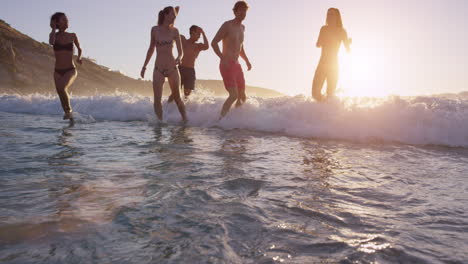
column 26, row 66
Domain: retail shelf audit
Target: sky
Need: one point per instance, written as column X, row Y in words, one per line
column 399, row 47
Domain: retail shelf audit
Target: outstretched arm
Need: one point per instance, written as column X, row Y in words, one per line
column 218, row 37
column 244, row 56
column 180, row 51
column 77, row 44
column 149, row 53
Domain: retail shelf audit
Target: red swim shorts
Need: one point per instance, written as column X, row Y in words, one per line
column 233, row 76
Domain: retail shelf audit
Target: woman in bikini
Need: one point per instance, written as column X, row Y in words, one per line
column 330, row 39
column 163, row 37
column 65, row 72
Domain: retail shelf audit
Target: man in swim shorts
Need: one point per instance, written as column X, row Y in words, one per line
column 231, row 34
column 191, row 51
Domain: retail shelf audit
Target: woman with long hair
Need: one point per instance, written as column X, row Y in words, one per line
column 163, row 37
column 65, row 71
column 330, row 39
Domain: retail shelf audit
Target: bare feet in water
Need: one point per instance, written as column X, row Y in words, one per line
column 68, row 116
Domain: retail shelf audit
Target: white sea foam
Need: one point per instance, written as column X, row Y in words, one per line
column 418, row 120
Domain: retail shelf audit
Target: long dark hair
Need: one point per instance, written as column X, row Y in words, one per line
column 163, row 13
column 55, row 17
column 338, row 21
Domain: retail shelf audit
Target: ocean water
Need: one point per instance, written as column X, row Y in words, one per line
column 281, row 180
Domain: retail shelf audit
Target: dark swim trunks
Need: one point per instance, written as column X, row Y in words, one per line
column 187, row 77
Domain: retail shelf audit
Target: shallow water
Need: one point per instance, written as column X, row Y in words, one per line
column 414, row 120
column 136, row 192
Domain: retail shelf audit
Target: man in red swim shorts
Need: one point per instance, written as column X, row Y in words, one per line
column 232, row 35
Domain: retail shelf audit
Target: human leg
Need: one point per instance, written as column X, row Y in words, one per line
column 230, row 83
column 158, row 82
column 174, row 83
column 332, row 81
column 240, row 81
column 62, row 83
column 317, row 84
column 233, row 96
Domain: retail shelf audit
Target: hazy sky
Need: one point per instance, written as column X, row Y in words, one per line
column 400, row 47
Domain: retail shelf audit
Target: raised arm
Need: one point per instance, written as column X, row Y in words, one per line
column 244, row 56
column 149, row 53
column 77, row 44
column 205, row 44
column 180, row 51
column 218, row 37
column 53, row 25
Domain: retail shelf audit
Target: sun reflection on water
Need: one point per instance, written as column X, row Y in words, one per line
column 365, row 243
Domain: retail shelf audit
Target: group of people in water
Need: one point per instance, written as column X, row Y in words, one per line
column 180, row 70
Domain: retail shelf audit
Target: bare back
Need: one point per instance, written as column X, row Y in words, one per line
column 64, row 58
column 330, row 40
column 191, row 52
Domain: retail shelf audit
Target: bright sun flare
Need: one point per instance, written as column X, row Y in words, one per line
column 360, row 73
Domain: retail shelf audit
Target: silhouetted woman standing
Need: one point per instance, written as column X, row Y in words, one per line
column 163, row 37
column 330, row 39
column 65, row 72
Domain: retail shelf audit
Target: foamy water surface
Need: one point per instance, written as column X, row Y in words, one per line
column 416, row 120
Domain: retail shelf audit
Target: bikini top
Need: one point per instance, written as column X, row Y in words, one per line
column 163, row 43
column 60, row 47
